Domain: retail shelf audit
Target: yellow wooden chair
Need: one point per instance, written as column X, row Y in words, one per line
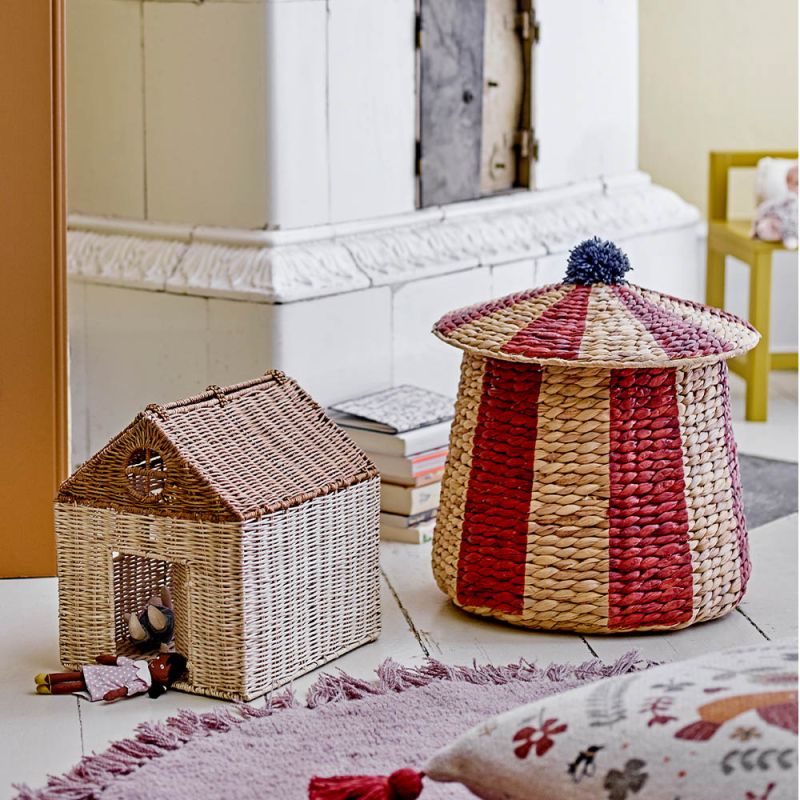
column 732, row 238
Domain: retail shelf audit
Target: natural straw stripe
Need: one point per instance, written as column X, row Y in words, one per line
column 567, row 557
column 709, row 496
column 742, row 566
column 450, row 517
column 504, row 318
column 610, row 320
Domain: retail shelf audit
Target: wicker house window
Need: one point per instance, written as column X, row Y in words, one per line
column 147, row 474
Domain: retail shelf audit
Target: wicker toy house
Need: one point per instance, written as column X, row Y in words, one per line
column 592, row 482
column 257, row 511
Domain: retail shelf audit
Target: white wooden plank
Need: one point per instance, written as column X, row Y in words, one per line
column 771, row 597
column 676, row 645
column 41, row 735
column 457, row 637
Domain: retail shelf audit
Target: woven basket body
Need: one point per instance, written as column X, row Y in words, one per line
column 266, row 532
column 583, row 491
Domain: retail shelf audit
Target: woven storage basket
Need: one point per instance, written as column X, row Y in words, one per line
column 260, row 514
column 592, row 482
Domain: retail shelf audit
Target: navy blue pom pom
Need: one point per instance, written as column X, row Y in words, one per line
column 596, row 261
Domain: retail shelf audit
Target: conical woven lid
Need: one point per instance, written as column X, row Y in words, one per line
column 597, row 319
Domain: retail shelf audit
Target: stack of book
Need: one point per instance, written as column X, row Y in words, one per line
column 405, row 431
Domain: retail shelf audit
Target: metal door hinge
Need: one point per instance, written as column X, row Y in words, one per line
column 525, row 22
column 522, row 140
column 522, row 23
column 527, row 144
column 418, row 31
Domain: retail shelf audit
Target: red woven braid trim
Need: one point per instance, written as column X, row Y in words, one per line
column 558, row 332
column 463, row 316
column 494, row 538
column 650, row 566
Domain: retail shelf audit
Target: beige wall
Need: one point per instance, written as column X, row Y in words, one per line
column 713, row 75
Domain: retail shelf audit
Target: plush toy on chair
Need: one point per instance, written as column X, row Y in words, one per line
column 776, row 215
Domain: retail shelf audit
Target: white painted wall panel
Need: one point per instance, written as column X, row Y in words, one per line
column 297, row 124
column 371, row 108
column 419, row 357
column 335, row 347
column 586, row 90
column 141, row 347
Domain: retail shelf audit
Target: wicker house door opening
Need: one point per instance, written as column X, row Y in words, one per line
column 138, row 578
column 474, row 71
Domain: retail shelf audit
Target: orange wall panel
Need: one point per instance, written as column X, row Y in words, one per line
column 33, row 380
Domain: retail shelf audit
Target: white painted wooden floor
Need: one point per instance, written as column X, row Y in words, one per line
column 47, row 735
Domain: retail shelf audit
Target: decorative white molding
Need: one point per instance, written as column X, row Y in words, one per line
column 123, row 260
column 285, row 266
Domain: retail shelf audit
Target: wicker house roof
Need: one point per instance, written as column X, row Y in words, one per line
column 229, row 454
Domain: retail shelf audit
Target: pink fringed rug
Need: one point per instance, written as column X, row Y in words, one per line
column 347, row 725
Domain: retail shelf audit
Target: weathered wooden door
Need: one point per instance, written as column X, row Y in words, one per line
column 451, row 96
column 474, row 66
column 33, row 379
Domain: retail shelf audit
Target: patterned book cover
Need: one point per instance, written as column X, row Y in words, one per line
column 396, row 410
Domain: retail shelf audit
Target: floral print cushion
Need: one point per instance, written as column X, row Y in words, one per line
column 720, row 726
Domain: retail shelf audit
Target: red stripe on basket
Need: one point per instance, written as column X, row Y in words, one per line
column 494, row 536
column 557, row 333
column 455, row 319
column 650, row 565
column 678, row 337
column 736, row 482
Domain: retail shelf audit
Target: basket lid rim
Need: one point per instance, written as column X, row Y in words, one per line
column 613, row 326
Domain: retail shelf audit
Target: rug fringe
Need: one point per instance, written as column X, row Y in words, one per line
column 155, row 739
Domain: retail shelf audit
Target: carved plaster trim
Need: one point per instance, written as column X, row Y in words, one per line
column 285, row 266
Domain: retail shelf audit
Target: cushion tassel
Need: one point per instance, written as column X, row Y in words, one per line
column 405, row 784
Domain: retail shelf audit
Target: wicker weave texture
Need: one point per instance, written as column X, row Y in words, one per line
column 256, row 604
column 257, row 511
column 229, row 454
column 314, row 593
column 597, row 326
column 591, row 499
